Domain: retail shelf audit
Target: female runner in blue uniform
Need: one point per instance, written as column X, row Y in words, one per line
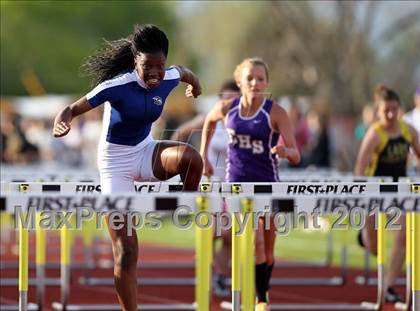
column 254, row 124
column 132, row 82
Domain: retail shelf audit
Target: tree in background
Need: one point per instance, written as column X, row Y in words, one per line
column 214, row 31
column 337, row 50
column 48, row 40
column 401, row 65
column 329, row 49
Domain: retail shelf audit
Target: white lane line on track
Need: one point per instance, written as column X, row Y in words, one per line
column 300, row 298
column 314, row 245
column 8, row 301
column 144, row 296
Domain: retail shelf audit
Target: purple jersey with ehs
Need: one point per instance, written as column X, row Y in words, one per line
column 250, row 141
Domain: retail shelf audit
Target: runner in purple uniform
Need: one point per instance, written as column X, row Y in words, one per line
column 254, row 124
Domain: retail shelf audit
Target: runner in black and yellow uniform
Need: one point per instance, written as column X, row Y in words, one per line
column 384, row 152
column 390, row 157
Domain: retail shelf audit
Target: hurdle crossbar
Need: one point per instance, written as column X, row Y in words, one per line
column 325, row 203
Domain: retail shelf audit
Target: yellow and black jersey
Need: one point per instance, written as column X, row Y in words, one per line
column 391, row 157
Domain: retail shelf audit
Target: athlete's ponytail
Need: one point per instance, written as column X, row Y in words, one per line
column 384, row 93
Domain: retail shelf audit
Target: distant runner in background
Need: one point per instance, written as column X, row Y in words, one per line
column 383, row 152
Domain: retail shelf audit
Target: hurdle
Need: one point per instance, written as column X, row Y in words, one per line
column 23, row 268
column 412, row 258
column 329, row 205
column 36, row 174
column 92, row 185
column 48, row 174
column 40, row 260
column 407, row 202
column 88, row 280
column 366, row 279
column 408, row 265
column 268, row 188
column 247, row 258
column 303, row 177
column 157, row 187
column 154, row 187
column 204, row 204
column 23, row 271
column 415, row 242
column 225, row 189
column 94, row 188
column 294, row 188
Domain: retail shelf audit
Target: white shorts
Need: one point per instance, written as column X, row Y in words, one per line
column 120, row 165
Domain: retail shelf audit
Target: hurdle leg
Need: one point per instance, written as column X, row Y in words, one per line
column 40, row 262
column 381, row 258
column 330, row 249
column 366, row 268
column 64, row 266
column 408, row 254
column 88, row 234
column 203, row 247
column 236, row 265
column 23, row 267
column 247, row 251
column 415, row 244
column 380, row 265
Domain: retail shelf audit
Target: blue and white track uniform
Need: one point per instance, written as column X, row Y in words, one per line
column 126, row 147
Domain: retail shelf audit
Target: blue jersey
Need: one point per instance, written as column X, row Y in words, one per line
column 131, row 107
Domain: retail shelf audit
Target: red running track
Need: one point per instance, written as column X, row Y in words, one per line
column 80, row 294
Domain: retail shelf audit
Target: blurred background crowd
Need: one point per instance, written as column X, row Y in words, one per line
column 325, row 58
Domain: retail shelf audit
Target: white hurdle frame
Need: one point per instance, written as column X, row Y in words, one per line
column 307, row 204
column 401, row 188
column 150, row 203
